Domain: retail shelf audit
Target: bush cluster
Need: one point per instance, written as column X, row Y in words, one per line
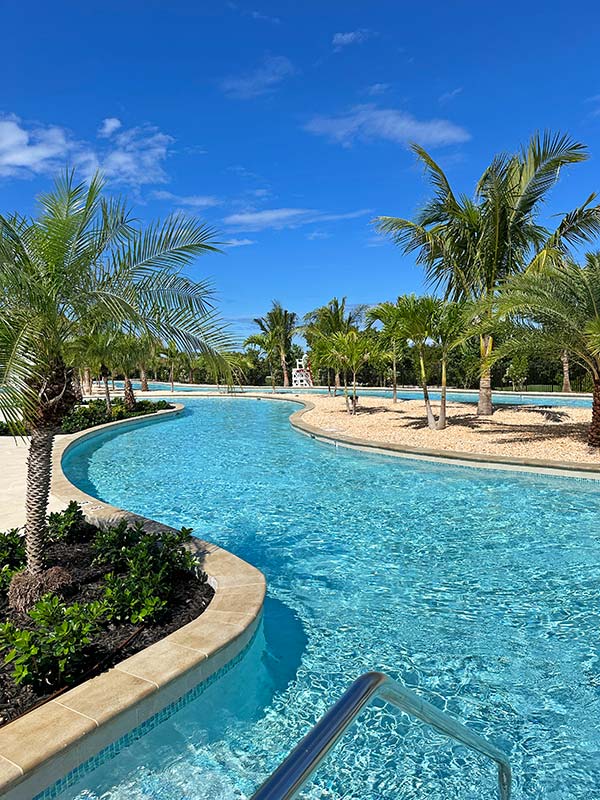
column 95, row 413
column 143, row 570
column 12, row 556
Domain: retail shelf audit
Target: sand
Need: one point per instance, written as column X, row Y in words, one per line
column 557, row 433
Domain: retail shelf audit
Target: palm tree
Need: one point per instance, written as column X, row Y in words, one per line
column 83, row 258
column 389, row 315
column 348, row 352
column 279, row 326
column 449, row 326
column 470, row 246
column 268, row 343
column 416, row 324
column 328, row 320
column 559, row 309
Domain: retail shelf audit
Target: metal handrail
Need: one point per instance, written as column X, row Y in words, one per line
column 292, row 774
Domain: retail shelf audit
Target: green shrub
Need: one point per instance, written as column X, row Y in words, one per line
column 55, row 651
column 69, row 525
column 12, row 429
column 94, row 413
column 12, row 556
column 150, row 563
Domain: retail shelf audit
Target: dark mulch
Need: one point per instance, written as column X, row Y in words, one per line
column 117, row 642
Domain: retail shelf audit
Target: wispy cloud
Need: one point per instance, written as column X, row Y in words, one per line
column 594, row 102
column 376, row 89
column 265, row 17
column 279, row 218
column 264, row 79
column 133, row 156
column 341, row 40
column 189, row 200
column 239, row 242
column 316, row 235
column 369, row 122
column 109, row 126
column 447, row 97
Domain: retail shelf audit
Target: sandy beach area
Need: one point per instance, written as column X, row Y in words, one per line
column 557, row 433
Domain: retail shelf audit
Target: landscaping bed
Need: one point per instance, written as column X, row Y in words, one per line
column 92, row 413
column 117, row 590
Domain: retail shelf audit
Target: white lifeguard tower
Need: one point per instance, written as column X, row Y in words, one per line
column 302, row 375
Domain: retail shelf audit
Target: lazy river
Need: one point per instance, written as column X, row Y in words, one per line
column 479, row 589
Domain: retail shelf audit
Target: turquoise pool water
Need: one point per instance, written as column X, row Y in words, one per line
column 480, row 589
column 499, row 398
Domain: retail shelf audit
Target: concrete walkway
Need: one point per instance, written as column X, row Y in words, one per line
column 13, row 470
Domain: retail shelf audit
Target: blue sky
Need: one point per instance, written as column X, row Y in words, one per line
column 285, row 125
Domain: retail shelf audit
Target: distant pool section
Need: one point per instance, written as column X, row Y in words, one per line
column 499, row 398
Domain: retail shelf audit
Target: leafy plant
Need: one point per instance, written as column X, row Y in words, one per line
column 67, row 524
column 12, row 429
column 149, row 564
column 55, row 651
column 12, row 556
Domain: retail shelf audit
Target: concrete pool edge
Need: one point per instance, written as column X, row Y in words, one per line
column 49, row 742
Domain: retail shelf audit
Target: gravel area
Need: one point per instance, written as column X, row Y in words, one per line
column 557, row 433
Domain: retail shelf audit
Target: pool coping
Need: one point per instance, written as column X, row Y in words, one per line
column 48, row 742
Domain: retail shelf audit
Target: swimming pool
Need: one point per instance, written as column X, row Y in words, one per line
column 499, row 398
column 477, row 588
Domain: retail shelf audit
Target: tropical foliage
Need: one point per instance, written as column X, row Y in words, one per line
column 71, row 279
column 469, row 245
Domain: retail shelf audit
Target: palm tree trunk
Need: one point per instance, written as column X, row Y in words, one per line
column 172, row 377
column 394, row 376
column 594, row 429
column 428, row 409
column 354, row 392
column 566, row 386
column 286, row 377
column 484, row 405
column 129, row 396
column 347, row 399
column 39, row 471
column 441, row 423
column 144, row 379
column 107, row 395
column 87, row 380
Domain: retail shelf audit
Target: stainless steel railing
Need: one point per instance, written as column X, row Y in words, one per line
column 292, row 774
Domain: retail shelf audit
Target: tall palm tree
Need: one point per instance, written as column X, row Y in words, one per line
column 389, row 315
column 469, row 246
column 268, row 343
column 329, row 319
column 82, row 258
column 416, row 324
column 279, row 326
column 559, row 308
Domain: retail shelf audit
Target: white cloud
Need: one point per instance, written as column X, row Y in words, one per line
column 378, row 88
column 315, row 235
column 189, row 201
column 109, row 126
column 239, row 242
column 279, row 218
column 263, row 80
column 368, row 122
column 341, row 40
column 137, row 156
column 447, row 97
column 30, row 151
column 134, row 156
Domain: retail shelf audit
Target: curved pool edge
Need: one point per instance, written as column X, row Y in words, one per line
column 461, row 458
column 456, row 457
column 58, row 738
